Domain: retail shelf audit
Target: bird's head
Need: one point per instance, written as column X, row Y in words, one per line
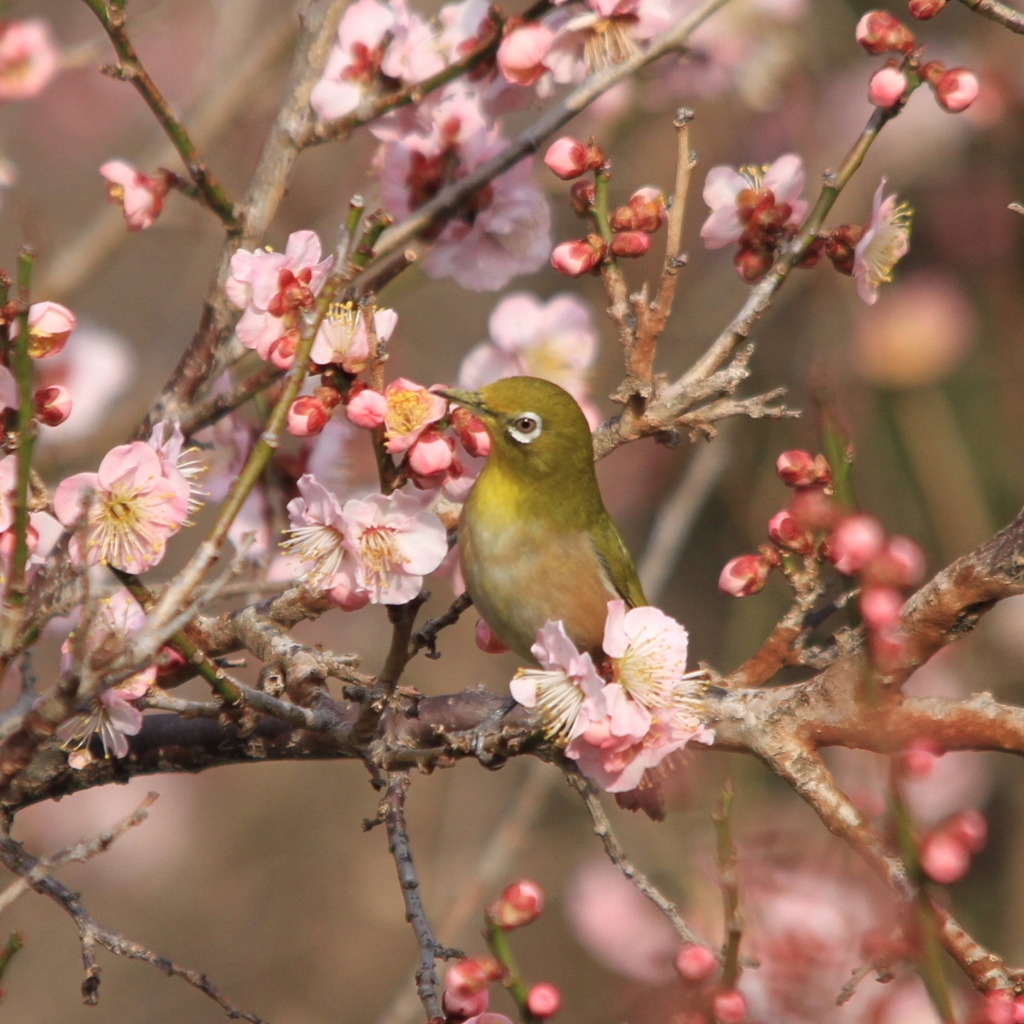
column 535, row 427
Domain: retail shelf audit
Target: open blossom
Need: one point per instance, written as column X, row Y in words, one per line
column 504, row 230
column 885, row 241
column 556, row 340
column 343, row 338
column 131, row 506
column 739, row 197
column 140, row 197
column 28, row 58
column 274, row 289
column 396, row 540
column 520, row 57
column 565, row 690
column 317, row 538
column 376, row 549
column 411, row 409
column 112, row 715
column 376, row 43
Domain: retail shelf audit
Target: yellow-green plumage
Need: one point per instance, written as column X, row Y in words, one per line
column 536, row 542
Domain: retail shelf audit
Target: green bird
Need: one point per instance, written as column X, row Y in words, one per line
column 535, row 540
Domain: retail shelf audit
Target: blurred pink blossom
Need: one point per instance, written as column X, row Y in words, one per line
column 28, row 58
column 505, row 229
column 141, row 198
column 886, row 240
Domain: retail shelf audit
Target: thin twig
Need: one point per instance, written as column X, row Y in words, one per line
column 398, row 844
column 618, row 856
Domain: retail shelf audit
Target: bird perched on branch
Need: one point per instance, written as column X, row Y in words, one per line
column 536, row 542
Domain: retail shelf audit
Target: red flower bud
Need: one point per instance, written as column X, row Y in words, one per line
column 582, row 195
column 630, row 244
column 744, row 575
column 695, row 963
column 543, row 1000
column 923, row 10
column 566, row 158
column 307, row 416
column 519, row 904
column 957, row 89
column 52, row 404
column 797, row 468
column 880, row 32
column 887, row 87
column 579, row 257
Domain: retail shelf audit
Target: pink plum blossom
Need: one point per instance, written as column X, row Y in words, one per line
column 112, row 714
column 273, row 289
column 396, row 541
column 343, row 338
column 885, row 241
column 317, row 539
column 131, row 505
column 504, row 230
column 411, row 409
column 28, row 58
column 375, row 42
column 566, row 690
column 521, row 53
column 556, row 339
column 141, row 198
column 648, row 652
column 781, row 182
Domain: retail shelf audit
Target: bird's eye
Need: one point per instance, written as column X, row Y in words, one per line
column 526, row 427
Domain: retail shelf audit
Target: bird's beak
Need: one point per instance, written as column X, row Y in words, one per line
column 471, row 400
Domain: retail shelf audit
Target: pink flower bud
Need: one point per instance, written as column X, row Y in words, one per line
column 52, row 404
column 944, row 857
column 971, row 828
column 579, row 257
column 753, row 263
column 787, row 532
column 486, row 639
column 880, row 606
column 880, row 32
column 367, row 408
column 458, row 1003
column 430, row 454
column 695, row 963
column 729, row 1007
column 901, row 563
column 855, row 542
column 957, row 89
column 473, row 974
column 630, row 244
column 522, row 52
column 566, row 158
column 999, row 1008
column 518, row 905
column 918, row 758
column 307, row 416
column 470, row 431
column 887, row 87
column 282, row 351
column 49, row 326
column 923, row 10
column 744, row 575
column 797, row 468
column 543, row 1000
column 347, row 599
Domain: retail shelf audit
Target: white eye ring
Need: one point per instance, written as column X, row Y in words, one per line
column 526, row 427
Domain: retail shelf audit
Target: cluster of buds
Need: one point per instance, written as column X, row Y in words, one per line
column 49, row 326
column 879, row 32
column 624, row 233
column 696, row 965
column 946, row 851
column 466, row 983
column 432, row 445
column 816, row 527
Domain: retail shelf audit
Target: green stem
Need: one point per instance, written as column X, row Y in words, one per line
column 497, row 942
column 21, row 366
column 11, row 946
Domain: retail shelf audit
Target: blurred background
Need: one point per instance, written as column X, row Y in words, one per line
column 263, row 877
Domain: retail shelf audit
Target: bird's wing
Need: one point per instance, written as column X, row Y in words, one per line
column 618, row 564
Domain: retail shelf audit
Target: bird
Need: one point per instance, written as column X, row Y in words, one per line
column 536, row 543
